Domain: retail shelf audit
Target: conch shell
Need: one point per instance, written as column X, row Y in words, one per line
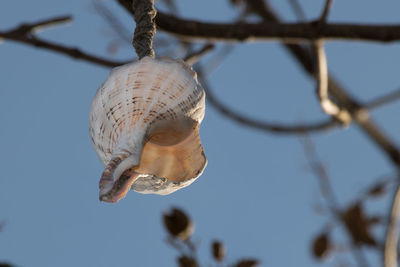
column 144, row 125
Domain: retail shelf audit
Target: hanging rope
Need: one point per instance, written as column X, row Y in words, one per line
column 144, row 14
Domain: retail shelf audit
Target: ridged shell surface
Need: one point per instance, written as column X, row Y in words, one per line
column 144, row 123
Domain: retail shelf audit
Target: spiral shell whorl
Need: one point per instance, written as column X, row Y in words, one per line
column 152, row 106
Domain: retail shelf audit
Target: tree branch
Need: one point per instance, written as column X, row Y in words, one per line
column 320, row 172
column 325, row 12
column 191, row 28
column 25, row 34
column 327, row 105
column 384, row 99
column 44, row 24
column 392, row 233
column 273, row 128
column 195, row 56
column 358, row 112
column 286, row 32
column 297, row 9
column 119, row 28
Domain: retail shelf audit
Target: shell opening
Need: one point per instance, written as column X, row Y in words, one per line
column 171, row 132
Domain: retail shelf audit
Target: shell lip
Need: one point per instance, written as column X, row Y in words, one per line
column 117, row 178
column 152, row 184
column 113, row 191
column 119, row 188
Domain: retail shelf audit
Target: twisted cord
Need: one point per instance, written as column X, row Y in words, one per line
column 144, row 14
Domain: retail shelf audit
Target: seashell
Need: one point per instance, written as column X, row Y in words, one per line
column 144, row 125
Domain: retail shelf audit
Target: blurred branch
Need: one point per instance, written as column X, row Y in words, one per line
column 392, row 232
column 286, row 32
column 326, row 103
column 298, row 11
column 383, row 100
column 195, row 56
column 325, row 12
column 171, row 5
column 358, row 112
column 26, row 28
column 274, row 128
column 179, row 228
column 351, row 218
column 213, row 63
column 319, row 170
column 25, row 34
column 113, row 21
column 246, row 120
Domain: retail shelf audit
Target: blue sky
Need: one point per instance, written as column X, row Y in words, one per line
column 256, row 194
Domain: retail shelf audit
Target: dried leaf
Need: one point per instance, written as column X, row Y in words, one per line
column 247, row 263
column 185, row 261
column 321, row 246
column 218, row 250
column 358, row 225
column 178, row 224
column 236, row 2
column 378, row 190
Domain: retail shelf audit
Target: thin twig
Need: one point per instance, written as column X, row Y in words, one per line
column 392, row 232
column 213, row 63
column 44, row 23
column 24, row 34
column 113, row 21
column 297, row 9
column 195, row 56
column 326, row 103
column 320, row 172
column 176, row 244
column 187, row 247
column 378, row 137
column 383, row 100
column 171, row 5
column 325, row 12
